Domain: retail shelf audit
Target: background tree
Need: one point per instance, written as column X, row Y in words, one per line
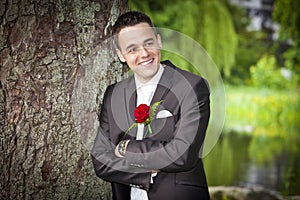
column 53, row 73
column 251, row 45
column 287, row 15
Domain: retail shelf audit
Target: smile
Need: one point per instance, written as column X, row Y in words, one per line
column 146, row 62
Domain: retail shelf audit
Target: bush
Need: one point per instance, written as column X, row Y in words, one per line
column 266, row 74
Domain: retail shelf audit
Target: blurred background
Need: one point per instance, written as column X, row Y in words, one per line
column 255, row 45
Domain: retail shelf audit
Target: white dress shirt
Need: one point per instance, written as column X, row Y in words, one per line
column 145, row 92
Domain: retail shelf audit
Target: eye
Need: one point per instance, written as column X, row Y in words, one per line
column 132, row 50
column 149, row 44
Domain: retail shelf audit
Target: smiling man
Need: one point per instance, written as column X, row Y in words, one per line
column 158, row 159
column 139, row 47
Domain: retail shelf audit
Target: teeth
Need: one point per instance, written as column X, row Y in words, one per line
column 147, row 62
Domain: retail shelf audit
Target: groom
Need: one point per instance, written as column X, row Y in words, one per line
column 160, row 157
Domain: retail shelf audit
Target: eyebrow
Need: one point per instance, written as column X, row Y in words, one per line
column 132, row 45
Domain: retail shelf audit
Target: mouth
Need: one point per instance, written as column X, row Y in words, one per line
column 147, row 62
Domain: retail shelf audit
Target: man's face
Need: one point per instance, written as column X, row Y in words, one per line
column 140, row 48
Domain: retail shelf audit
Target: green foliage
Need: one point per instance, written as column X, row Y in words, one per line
column 287, row 13
column 292, row 61
column 252, row 47
column 220, row 39
column 221, row 29
column 263, row 112
column 266, row 74
column 208, row 22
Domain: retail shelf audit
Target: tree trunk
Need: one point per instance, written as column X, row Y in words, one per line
column 54, row 71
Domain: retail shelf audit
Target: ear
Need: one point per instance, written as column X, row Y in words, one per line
column 120, row 55
column 159, row 41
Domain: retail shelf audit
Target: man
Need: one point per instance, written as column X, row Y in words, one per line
column 158, row 159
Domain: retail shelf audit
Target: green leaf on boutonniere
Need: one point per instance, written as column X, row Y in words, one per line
column 153, row 109
column 131, row 127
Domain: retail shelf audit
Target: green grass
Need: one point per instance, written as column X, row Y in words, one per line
column 262, row 111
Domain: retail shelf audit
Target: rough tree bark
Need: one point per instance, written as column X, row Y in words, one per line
column 53, row 75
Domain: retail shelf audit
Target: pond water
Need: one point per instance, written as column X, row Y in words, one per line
column 243, row 160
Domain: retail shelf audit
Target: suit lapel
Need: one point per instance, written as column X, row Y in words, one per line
column 163, row 87
column 164, row 84
column 130, row 100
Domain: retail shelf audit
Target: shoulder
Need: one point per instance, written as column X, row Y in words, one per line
column 180, row 75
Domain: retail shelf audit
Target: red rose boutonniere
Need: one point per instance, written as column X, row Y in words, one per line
column 144, row 114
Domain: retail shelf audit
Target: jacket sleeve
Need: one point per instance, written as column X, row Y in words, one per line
column 109, row 167
column 182, row 152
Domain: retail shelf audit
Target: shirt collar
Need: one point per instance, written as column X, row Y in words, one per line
column 153, row 81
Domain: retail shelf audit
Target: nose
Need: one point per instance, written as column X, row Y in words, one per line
column 144, row 52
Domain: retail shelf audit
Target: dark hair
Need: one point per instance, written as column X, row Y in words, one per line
column 131, row 18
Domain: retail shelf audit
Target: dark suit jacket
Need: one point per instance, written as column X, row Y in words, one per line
column 174, row 147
